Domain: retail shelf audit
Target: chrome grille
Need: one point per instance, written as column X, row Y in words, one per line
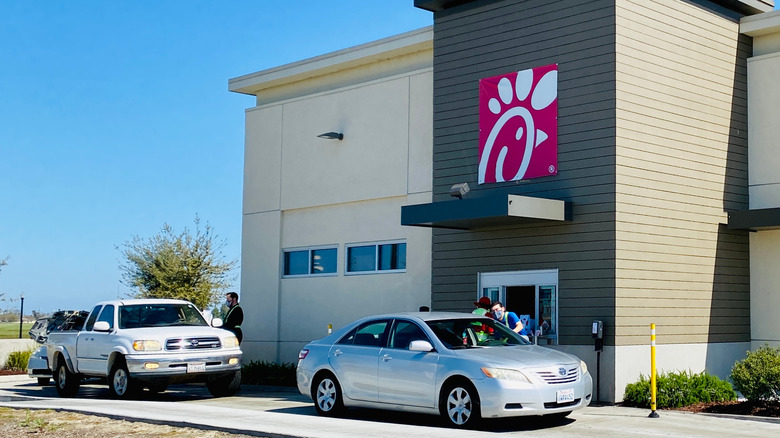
column 557, row 376
column 192, row 343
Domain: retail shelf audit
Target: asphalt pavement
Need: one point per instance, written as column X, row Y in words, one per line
column 283, row 412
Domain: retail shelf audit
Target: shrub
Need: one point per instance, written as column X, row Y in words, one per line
column 757, row 377
column 679, row 389
column 17, row 360
column 268, row 373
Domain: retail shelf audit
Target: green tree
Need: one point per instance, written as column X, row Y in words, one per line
column 182, row 266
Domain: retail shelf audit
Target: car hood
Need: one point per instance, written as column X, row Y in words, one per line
column 517, row 356
column 177, row 332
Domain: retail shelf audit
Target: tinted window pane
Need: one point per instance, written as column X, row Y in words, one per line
column 371, row 334
column 107, row 315
column 392, row 256
column 323, row 261
column 296, row 263
column 92, row 318
column 361, row 258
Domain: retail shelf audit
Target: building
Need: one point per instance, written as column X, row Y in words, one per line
column 763, row 216
column 611, row 203
column 322, row 241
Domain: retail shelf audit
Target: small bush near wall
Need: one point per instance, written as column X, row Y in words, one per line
column 675, row 390
column 268, row 373
column 17, row 360
column 757, row 377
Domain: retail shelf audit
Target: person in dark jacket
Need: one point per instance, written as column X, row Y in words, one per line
column 234, row 317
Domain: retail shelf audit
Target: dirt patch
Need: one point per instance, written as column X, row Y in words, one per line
column 19, row 423
column 767, row 409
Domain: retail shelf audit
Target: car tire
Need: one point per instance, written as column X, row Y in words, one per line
column 43, row 381
column 225, row 386
column 326, row 394
column 67, row 383
column 121, row 385
column 459, row 404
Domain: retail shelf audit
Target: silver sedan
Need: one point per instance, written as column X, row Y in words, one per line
column 462, row 366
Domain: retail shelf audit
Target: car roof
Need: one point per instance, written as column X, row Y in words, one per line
column 428, row 316
column 133, row 301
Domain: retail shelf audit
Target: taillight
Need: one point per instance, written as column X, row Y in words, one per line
column 302, row 354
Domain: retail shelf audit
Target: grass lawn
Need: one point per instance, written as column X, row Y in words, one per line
column 10, row 330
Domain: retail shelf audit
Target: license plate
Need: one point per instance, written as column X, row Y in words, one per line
column 565, row 395
column 196, row 367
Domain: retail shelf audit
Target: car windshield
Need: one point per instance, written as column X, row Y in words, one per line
column 475, row 332
column 159, row 315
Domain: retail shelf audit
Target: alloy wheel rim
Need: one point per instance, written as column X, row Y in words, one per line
column 61, row 376
column 459, row 406
column 326, row 395
column 120, row 382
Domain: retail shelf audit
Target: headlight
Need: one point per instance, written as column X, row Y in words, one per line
column 505, row 374
column 583, row 367
column 230, row 342
column 146, row 345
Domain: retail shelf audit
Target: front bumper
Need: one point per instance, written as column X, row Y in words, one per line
column 193, row 365
column 504, row 398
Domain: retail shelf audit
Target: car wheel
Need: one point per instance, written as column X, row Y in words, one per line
column 43, row 381
column 226, row 385
column 327, row 395
column 67, row 383
column 459, row 404
column 120, row 383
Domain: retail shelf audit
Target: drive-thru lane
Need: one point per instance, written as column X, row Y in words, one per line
column 284, row 412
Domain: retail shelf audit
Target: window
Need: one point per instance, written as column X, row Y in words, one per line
column 311, row 261
column 372, row 258
column 107, row 315
column 92, row 318
column 369, row 334
column 404, row 332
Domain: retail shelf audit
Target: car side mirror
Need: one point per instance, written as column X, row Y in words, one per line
column 420, row 345
column 101, row 326
column 216, row 322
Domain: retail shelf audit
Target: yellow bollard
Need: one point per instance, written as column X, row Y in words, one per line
column 330, row 328
column 653, row 392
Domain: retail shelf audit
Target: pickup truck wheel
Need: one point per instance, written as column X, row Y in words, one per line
column 119, row 381
column 67, row 383
column 226, row 385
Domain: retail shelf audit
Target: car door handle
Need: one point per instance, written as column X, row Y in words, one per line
column 387, row 357
column 337, row 353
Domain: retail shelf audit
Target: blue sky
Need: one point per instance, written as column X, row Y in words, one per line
column 115, row 119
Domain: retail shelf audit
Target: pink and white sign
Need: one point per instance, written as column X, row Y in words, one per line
column 518, row 125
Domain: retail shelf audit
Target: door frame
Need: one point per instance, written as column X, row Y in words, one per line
column 536, row 278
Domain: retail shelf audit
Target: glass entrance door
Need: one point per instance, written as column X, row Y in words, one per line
column 532, row 295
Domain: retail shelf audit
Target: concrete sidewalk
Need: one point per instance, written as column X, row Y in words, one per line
column 283, row 412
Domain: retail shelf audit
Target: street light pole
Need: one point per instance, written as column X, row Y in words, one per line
column 21, row 317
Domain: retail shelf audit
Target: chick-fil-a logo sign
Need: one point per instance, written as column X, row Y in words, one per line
column 518, row 125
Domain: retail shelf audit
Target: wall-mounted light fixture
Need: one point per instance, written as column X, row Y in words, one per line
column 332, row 135
column 458, row 190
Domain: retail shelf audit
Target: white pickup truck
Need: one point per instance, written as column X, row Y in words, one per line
column 145, row 343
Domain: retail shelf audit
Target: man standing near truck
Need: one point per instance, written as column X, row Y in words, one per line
column 235, row 315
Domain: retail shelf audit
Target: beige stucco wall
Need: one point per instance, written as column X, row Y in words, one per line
column 764, row 178
column 764, row 290
column 763, row 130
column 301, row 191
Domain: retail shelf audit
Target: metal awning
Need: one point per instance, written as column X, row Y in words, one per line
column 487, row 211
column 755, row 220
